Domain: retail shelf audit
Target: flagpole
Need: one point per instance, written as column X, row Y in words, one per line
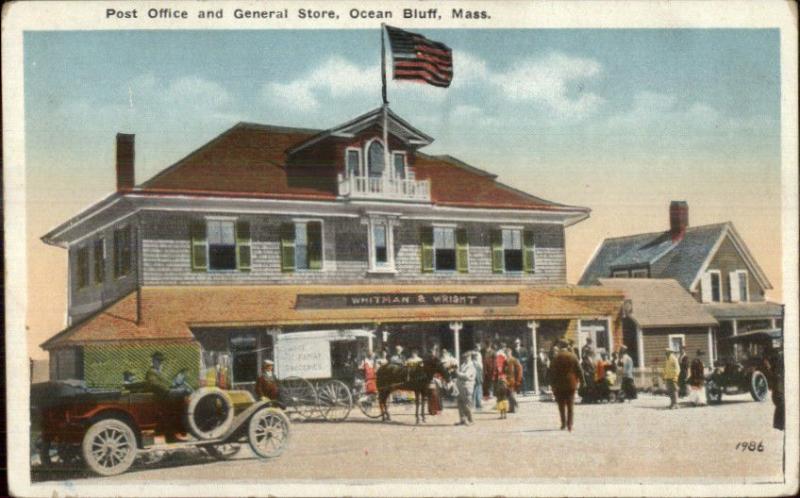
column 388, row 170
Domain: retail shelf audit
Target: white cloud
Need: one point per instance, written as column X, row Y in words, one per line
column 658, row 113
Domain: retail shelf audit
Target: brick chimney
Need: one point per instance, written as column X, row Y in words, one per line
column 678, row 219
column 125, row 156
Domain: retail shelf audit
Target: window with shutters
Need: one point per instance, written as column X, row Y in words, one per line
column 99, row 253
column 513, row 250
column 301, row 246
column 220, row 244
column 738, row 286
column 82, row 275
column 715, row 281
column 122, row 252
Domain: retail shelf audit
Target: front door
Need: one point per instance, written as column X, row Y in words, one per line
column 597, row 331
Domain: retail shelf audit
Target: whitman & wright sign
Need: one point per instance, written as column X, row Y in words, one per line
column 382, row 300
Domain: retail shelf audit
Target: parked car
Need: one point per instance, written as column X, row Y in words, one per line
column 106, row 429
column 749, row 372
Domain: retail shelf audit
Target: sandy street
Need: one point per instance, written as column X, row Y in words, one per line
column 640, row 439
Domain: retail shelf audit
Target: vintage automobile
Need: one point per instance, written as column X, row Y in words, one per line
column 749, row 373
column 106, row 429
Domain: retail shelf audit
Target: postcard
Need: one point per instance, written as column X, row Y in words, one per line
column 401, row 248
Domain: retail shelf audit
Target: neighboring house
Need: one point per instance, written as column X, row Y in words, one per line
column 712, row 262
column 269, row 230
column 660, row 314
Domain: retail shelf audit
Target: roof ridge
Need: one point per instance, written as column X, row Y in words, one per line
column 276, row 128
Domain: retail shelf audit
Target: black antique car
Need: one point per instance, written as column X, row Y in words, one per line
column 748, row 373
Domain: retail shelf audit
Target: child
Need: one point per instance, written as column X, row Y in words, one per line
column 501, row 393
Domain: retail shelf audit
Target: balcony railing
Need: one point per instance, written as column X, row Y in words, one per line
column 365, row 187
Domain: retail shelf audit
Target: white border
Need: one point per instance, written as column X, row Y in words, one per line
column 543, row 14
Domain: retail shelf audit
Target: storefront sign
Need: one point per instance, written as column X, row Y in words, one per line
column 309, row 359
column 381, row 300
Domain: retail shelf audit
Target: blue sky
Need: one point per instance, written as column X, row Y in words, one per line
column 621, row 121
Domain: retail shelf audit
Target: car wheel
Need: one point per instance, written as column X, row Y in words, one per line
column 268, row 432
column 713, row 393
column 210, row 413
column 109, row 447
column 759, row 387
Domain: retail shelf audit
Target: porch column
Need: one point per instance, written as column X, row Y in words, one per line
column 735, row 332
column 640, row 345
column 610, row 333
column 711, row 346
column 772, row 323
column 456, row 328
column 533, row 325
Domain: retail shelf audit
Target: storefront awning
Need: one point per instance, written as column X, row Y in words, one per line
column 169, row 313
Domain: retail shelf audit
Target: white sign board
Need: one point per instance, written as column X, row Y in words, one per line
column 309, row 359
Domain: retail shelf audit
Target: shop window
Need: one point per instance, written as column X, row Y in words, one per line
column 301, row 246
column 220, row 244
column 122, row 252
column 99, row 260
column 244, row 351
column 82, row 266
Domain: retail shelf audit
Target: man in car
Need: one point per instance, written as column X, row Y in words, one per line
column 154, row 378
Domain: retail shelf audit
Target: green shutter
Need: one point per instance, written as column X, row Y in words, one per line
column 462, row 250
column 287, row 247
column 243, row 245
column 426, row 248
column 498, row 259
column 199, row 259
column 314, row 234
column 528, row 257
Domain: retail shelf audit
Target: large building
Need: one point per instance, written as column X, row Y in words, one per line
column 266, row 231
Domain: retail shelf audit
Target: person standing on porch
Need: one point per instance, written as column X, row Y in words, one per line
column 670, row 375
column 565, row 376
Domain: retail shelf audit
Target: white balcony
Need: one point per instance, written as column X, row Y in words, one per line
column 385, row 188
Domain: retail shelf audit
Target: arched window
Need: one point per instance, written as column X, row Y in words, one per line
column 375, row 159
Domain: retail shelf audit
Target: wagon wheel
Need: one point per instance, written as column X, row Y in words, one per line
column 268, row 432
column 335, row 400
column 299, row 396
column 368, row 404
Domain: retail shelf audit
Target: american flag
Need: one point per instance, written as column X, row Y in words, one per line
column 417, row 58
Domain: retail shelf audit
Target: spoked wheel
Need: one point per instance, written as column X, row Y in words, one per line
column 109, row 447
column 268, row 432
column 369, row 406
column 335, row 400
column 223, row 451
column 759, row 387
column 299, row 396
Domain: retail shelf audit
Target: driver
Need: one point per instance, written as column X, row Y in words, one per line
column 154, row 378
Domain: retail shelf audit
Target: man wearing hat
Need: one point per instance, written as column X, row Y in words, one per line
column 266, row 384
column 565, row 376
column 670, row 375
column 628, row 386
column 156, row 380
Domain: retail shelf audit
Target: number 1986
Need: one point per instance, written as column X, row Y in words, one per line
column 750, row 446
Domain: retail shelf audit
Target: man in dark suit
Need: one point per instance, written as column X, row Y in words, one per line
column 565, row 376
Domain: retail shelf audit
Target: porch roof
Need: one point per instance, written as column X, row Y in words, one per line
column 169, row 313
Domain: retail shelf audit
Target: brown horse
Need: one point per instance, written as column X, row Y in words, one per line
column 415, row 378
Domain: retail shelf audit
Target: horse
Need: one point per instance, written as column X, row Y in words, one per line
column 417, row 378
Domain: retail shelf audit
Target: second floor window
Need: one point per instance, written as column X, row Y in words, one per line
column 399, row 162
column 379, row 243
column 99, row 261
column 301, row 246
column 353, row 162
column 219, row 244
column 711, row 287
column 82, row 264
column 738, row 286
column 444, row 247
column 513, row 250
column 375, row 159
column 122, row 252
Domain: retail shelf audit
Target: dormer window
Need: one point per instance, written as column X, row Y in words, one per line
column 375, row 159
